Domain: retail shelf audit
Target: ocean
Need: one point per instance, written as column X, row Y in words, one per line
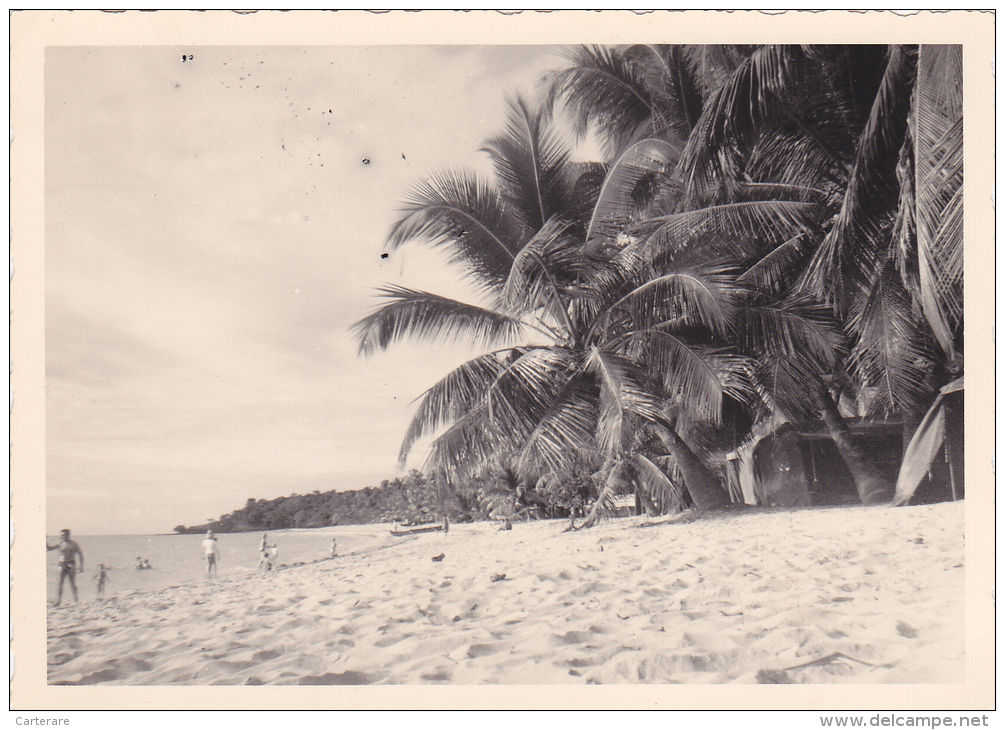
column 178, row 559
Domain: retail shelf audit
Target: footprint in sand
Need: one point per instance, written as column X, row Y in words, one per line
column 233, row 666
column 479, row 650
column 348, row 677
column 390, row 640
column 906, row 630
column 265, row 655
column 437, row 675
column 572, row 637
column 473, row 651
column 114, row 670
column 103, row 675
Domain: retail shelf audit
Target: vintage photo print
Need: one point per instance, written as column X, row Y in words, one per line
column 440, row 359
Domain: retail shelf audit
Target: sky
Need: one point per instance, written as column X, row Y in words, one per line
column 214, row 225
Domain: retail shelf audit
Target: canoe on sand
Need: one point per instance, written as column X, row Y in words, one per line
column 416, row 530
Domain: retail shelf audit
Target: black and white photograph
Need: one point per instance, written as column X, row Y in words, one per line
column 482, row 363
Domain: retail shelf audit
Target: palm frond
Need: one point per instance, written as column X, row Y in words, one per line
column 462, row 212
column 787, row 384
column 797, row 328
column 904, row 235
column 527, row 387
column 672, row 78
column 747, row 224
column 533, row 281
column 584, row 181
column 657, row 484
column 849, row 253
column 467, row 446
column 562, row 431
column 700, row 297
column 537, row 407
column 891, row 353
column 621, row 397
column 785, row 154
column 938, row 129
column 774, row 272
column 454, row 395
column 715, row 63
column 530, row 161
column 426, row 316
column 603, row 89
column 755, row 93
column 694, row 377
column 629, row 186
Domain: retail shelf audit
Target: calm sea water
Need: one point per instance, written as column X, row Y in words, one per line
column 178, row 559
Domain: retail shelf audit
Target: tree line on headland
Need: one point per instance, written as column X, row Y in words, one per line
column 493, row 493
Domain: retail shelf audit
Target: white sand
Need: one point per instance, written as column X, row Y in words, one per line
column 852, row 594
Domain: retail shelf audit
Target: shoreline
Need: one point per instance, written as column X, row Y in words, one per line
column 778, row 596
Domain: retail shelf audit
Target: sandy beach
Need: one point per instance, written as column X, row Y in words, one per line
column 852, row 594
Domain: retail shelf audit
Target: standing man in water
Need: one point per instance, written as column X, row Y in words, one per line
column 69, row 555
column 212, row 553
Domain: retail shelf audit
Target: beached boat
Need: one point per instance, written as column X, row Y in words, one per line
column 405, row 530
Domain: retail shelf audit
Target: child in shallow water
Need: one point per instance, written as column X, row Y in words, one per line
column 102, row 578
column 267, row 554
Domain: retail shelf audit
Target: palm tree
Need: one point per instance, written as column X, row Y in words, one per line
column 844, row 122
column 571, row 328
column 749, row 146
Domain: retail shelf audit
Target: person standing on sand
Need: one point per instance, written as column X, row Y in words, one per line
column 267, row 553
column 102, row 578
column 212, row 553
column 334, row 552
column 69, row 554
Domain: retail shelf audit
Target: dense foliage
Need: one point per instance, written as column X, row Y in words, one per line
column 494, row 493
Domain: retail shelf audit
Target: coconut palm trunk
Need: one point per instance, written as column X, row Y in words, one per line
column 643, row 503
column 704, row 487
column 872, row 488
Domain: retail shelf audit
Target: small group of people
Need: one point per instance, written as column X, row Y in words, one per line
column 267, row 558
column 71, row 561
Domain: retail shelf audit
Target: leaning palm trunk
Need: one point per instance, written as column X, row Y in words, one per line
column 872, row 488
column 701, row 484
column 611, row 484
